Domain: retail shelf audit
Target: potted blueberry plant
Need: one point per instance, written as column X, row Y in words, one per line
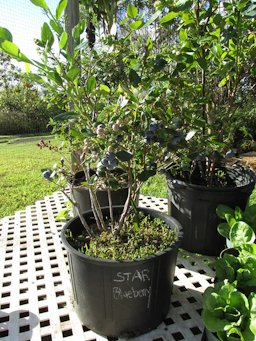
column 122, row 258
column 210, row 65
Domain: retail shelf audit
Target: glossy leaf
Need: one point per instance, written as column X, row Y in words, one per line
column 60, row 8
column 131, row 11
column 124, row 156
column 73, row 72
column 134, row 77
column 55, row 77
column 56, row 27
column 169, row 17
column 10, row 48
column 221, row 210
column 152, row 19
column 47, row 35
column 224, row 229
column 5, row 34
column 65, row 116
column 136, row 24
column 63, row 40
column 40, row 3
column 91, row 84
column 146, row 174
column 104, row 88
column 241, row 233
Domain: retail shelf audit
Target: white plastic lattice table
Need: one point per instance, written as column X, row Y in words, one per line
column 36, row 298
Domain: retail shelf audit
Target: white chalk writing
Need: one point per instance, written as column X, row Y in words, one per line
column 130, row 293
column 137, row 275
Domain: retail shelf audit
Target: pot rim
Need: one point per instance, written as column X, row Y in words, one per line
column 173, row 222
column 240, row 168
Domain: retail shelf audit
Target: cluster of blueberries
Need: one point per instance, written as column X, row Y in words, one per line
column 150, row 132
column 109, row 161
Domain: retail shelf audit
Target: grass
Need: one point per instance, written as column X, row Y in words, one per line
column 21, row 183
column 20, row 175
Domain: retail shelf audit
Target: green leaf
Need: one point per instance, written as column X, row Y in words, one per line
column 185, row 4
column 224, row 270
column 35, row 77
column 152, row 19
column 169, row 17
column 202, row 63
column 56, row 27
column 113, row 184
column 5, row 34
column 224, row 81
column 136, row 24
column 73, row 73
column 221, row 210
column 149, row 43
column 159, row 63
column 131, row 11
column 134, row 77
column 146, row 174
column 63, row 40
column 40, row 3
column 55, row 77
column 224, row 229
column 104, row 88
column 230, row 219
column 124, row 156
column 65, row 116
column 78, row 30
column 238, row 213
column 76, row 134
column 91, row 84
column 183, row 35
column 10, row 48
column 252, row 304
column 47, row 35
column 241, row 233
column 60, row 8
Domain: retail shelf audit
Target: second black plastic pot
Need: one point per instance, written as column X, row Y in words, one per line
column 121, row 298
column 195, row 206
column 82, row 196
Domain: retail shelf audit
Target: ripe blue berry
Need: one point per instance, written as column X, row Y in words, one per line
column 153, row 127
column 110, row 156
column 104, row 162
column 47, row 174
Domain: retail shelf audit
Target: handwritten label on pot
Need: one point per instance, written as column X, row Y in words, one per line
column 132, row 285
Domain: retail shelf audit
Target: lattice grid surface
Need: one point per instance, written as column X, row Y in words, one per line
column 36, row 296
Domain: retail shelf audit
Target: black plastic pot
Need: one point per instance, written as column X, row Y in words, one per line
column 230, row 251
column 195, row 208
column 82, row 196
column 121, row 298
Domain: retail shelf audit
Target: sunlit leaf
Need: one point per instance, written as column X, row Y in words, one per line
column 131, row 11
column 5, row 34
column 190, row 134
column 91, row 84
column 40, row 3
column 169, row 17
column 63, row 40
column 104, row 88
column 61, row 7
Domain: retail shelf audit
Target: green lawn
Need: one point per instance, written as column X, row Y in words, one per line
column 21, row 182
